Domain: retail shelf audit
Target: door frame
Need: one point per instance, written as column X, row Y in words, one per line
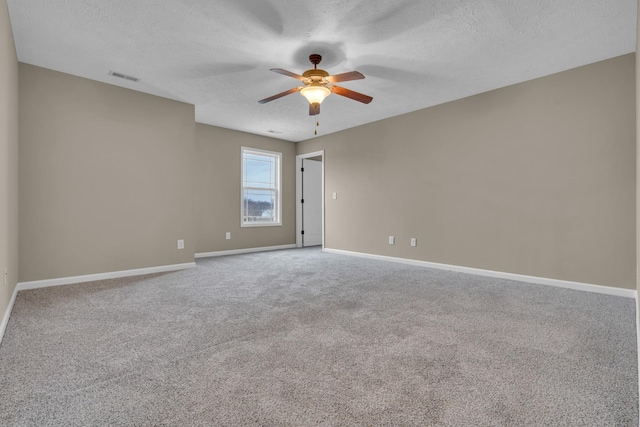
column 299, row 158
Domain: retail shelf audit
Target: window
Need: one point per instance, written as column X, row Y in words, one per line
column 261, row 187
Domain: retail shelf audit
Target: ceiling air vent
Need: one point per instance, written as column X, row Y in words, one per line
column 124, row 76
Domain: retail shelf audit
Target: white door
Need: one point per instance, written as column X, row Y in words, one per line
column 312, row 206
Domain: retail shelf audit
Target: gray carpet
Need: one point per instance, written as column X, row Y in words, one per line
column 306, row 338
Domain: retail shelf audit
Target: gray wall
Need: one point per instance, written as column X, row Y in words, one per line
column 8, row 159
column 536, row 179
column 217, row 189
column 106, row 177
column 637, row 160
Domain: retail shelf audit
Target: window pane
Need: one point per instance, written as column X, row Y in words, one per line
column 259, row 172
column 259, row 205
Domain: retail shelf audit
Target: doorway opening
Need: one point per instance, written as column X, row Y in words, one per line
column 310, row 199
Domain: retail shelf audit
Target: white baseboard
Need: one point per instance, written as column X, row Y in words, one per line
column 244, row 251
column 621, row 292
column 22, row 286
column 7, row 313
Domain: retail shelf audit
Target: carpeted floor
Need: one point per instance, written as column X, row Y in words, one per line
column 306, row 338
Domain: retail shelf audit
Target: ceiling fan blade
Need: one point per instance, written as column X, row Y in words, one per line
column 314, row 109
column 365, row 99
column 287, row 73
column 280, row 95
column 345, row 77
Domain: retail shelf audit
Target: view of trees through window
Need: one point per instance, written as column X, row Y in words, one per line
column 258, row 210
column 260, row 187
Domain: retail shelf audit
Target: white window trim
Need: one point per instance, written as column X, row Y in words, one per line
column 278, row 207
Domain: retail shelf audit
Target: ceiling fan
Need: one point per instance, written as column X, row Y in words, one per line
column 318, row 84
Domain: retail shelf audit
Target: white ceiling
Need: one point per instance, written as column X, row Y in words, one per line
column 216, row 54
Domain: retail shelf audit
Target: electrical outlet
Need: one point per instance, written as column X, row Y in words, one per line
column 228, row 235
column 180, row 244
column 335, row 196
column 392, row 240
column 414, row 241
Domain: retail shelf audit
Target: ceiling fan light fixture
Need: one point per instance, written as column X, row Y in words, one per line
column 315, row 94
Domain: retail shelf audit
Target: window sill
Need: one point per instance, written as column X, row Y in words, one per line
column 272, row 224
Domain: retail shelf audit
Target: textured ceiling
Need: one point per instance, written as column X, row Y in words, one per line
column 414, row 53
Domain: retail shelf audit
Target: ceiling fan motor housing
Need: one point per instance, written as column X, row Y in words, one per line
column 315, row 77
